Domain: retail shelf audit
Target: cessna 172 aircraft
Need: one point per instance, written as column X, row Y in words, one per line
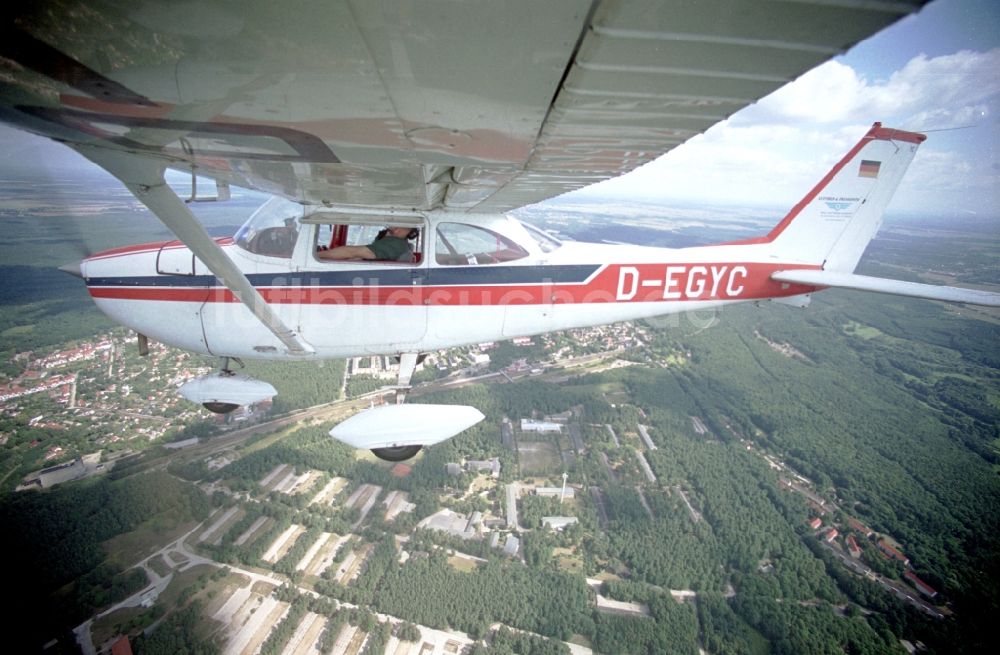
column 438, row 116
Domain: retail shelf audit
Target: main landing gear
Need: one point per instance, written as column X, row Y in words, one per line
column 398, row 431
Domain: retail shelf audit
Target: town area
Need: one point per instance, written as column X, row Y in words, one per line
column 307, row 546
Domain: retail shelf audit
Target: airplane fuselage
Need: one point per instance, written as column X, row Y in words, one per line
column 359, row 307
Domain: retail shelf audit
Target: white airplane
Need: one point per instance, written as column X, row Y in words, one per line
column 437, row 117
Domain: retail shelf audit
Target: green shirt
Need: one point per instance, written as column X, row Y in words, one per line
column 389, row 248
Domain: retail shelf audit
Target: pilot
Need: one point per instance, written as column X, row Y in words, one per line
column 391, row 244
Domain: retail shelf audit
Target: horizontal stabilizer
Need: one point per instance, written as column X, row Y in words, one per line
column 882, row 285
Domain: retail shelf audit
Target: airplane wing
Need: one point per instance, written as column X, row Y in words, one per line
column 416, row 104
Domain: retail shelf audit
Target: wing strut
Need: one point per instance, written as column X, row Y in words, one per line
column 144, row 178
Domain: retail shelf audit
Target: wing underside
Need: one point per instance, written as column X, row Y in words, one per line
column 415, row 104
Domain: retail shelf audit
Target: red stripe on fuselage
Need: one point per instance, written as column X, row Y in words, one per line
column 148, row 247
column 615, row 283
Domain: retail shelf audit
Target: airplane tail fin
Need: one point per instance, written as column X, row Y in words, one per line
column 832, row 225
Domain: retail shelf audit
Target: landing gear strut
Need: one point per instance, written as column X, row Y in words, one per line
column 407, row 364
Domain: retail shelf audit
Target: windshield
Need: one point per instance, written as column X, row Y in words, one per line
column 272, row 230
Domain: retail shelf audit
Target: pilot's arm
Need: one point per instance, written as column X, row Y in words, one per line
column 346, row 252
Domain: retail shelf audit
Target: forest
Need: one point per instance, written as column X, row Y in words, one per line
column 57, row 536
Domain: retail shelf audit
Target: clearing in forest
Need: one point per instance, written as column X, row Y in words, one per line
column 538, row 457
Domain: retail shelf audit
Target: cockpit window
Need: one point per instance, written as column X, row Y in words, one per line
column 272, row 230
column 546, row 242
column 459, row 244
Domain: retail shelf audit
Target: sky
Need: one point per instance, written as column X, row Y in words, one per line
column 936, row 71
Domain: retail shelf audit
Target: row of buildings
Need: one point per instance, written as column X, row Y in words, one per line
column 888, row 550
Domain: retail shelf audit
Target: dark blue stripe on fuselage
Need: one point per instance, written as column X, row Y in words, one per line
column 383, row 277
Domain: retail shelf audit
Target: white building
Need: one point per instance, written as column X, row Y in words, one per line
column 554, row 491
column 558, row 522
column 531, row 425
column 490, row 465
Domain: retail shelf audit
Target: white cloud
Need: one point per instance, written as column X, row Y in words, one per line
column 927, row 93
column 773, row 152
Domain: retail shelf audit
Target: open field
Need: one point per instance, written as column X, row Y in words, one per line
column 538, row 457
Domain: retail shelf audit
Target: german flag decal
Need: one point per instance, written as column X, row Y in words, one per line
column 869, row 168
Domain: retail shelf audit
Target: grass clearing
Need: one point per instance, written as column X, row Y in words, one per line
column 131, row 547
column 262, row 588
column 861, row 331
column 269, row 439
column 170, row 598
column 159, row 565
column 538, row 457
column 463, row 564
column 117, row 623
column 18, row 330
column 570, row 564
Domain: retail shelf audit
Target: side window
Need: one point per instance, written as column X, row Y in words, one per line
column 351, row 235
column 458, row 244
